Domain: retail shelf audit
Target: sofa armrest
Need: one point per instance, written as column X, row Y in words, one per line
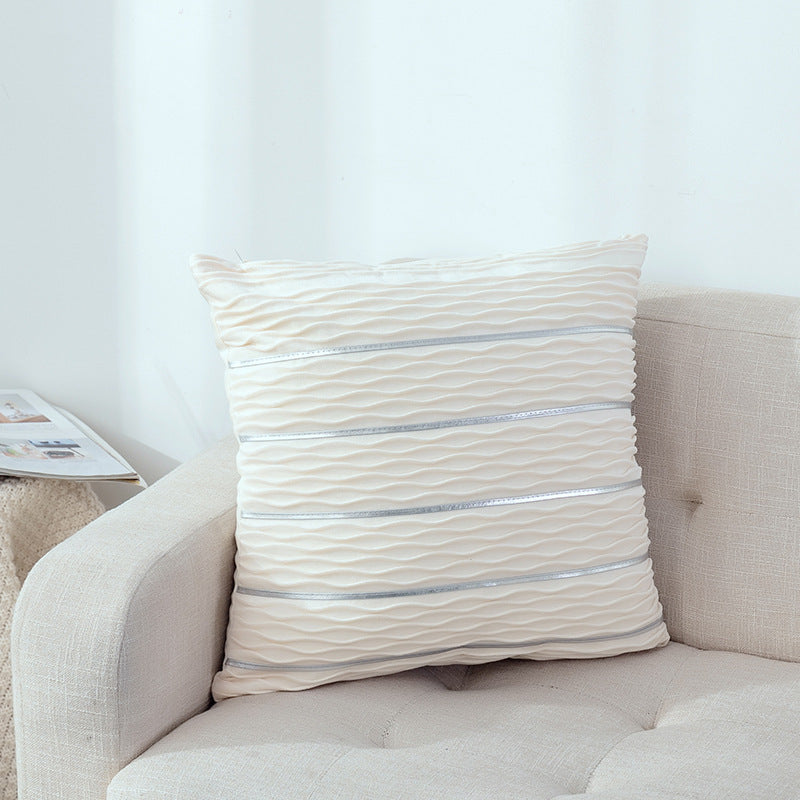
column 119, row 630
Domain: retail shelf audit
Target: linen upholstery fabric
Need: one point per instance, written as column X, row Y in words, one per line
column 718, row 418
column 119, row 630
column 131, row 646
column 672, row 723
column 437, row 463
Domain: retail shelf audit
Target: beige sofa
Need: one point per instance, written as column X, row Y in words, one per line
column 119, row 630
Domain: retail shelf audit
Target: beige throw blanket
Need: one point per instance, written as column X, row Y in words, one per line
column 35, row 515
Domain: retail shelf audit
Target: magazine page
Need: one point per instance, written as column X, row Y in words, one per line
column 37, row 440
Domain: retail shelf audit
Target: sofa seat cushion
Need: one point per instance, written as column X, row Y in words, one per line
column 670, row 723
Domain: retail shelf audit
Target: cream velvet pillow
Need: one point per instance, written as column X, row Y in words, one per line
column 437, row 463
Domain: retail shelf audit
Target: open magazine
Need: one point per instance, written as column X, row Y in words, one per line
column 41, row 441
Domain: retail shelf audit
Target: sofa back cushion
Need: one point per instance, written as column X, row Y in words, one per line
column 718, row 417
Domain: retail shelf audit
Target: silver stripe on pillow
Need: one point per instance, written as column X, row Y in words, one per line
column 468, row 504
column 447, row 587
column 446, row 423
column 444, row 340
column 232, row 662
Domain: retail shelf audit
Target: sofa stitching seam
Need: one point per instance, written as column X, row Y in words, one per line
column 318, row 782
column 695, row 457
column 579, row 693
column 603, row 757
column 388, row 725
column 712, row 328
column 692, row 654
column 616, row 743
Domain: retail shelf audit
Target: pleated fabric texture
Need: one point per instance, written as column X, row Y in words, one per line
column 437, row 463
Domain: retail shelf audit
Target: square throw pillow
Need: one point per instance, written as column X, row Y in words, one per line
column 437, row 463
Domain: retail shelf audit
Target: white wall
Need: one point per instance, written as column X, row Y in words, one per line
column 135, row 133
column 471, row 127
column 59, row 290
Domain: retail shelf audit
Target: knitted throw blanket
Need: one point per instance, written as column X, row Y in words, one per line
column 35, row 515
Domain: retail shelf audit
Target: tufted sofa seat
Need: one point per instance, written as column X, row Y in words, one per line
column 119, row 630
column 671, row 723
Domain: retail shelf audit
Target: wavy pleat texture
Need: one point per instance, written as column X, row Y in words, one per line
column 437, row 463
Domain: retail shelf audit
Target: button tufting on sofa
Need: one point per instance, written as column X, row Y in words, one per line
column 615, row 728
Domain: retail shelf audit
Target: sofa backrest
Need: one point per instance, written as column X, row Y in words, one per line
column 718, row 418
